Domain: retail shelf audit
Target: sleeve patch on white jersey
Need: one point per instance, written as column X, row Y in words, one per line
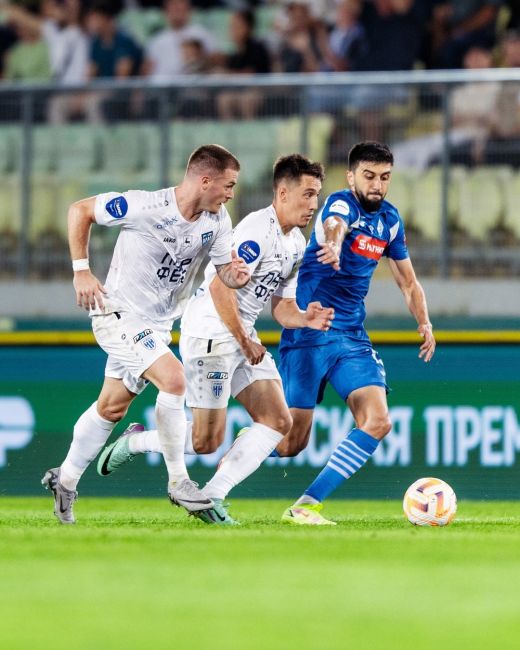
column 340, row 207
column 117, row 208
column 249, row 251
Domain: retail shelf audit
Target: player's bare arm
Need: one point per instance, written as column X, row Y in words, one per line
column 89, row 290
column 235, row 274
column 335, row 231
column 225, row 301
column 413, row 292
column 289, row 315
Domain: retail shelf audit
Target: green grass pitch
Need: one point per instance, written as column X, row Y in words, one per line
column 137, row 573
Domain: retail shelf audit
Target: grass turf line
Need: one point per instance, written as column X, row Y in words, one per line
column 137, row 573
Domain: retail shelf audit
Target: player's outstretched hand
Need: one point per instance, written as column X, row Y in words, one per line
column 329, row 254
column 239, row 271
column 318, row 317
column 89, row 290
column 427, row 348
column 253, row 351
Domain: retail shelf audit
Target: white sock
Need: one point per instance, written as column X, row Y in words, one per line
column 245, row 456
column 306, row 499
column 188, row 443
column 91, row 432
column 171, row 429
column 145, row 442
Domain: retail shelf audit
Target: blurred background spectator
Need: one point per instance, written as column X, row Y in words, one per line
column 58, row 24
column 345, row 37
column 113, row 54
column 29, row 58
column 473, row 106
column 249, row 56
column 394, row 30
column 302, row 38
column 458, row 26
column 163, row 55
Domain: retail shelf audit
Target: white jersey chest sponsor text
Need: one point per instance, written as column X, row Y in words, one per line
column 158, row 252
column 273, row 259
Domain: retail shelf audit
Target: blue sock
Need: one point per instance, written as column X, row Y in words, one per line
column 348, row 457
column 274, row 454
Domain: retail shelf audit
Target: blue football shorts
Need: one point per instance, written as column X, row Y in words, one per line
column 347, row 362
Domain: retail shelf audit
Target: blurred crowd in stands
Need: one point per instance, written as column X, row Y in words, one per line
column 72, row 41
column 68, row 43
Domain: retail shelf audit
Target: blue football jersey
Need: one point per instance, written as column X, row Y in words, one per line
column 370, row 236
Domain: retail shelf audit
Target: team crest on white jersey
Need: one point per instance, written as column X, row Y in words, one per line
column 207, row 237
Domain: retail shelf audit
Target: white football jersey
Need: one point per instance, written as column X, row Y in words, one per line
column 158, row 252
column 272, row 259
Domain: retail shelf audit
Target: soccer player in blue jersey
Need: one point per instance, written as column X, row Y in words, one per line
column 360, row 227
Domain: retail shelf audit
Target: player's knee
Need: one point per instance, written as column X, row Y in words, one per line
column 281, row 423
column 378, row 426
column 112, row 412
column 174, row 384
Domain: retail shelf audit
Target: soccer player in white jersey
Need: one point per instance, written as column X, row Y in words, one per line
column 165, row 235
column 221, row 350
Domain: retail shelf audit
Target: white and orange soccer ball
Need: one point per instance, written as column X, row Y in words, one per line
column 430, row 502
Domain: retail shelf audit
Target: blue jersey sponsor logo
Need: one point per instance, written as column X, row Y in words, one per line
column 207, row 237
column 249, row 251
column 117, row 207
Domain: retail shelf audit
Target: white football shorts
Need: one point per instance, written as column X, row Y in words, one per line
column 217, row 368
column 132, row 345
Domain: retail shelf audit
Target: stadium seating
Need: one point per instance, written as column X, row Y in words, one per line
column 426, row 201
column 78, row 149
column 400, row 195
column 481, row 200
column 290, row 138
column 511, row 191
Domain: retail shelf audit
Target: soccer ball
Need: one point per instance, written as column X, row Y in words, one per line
column 430, row 502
